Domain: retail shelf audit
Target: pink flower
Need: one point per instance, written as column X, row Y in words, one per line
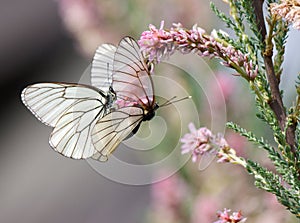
column 81, row 18
column 289, row 10
column 201, row 141
column 226, row 154
column 204, row 209
column 225, row 217
column 167, row 198
column 161, row 43
column 237, row 141
column 129, row 102
column 125, row 103
column 226, row 84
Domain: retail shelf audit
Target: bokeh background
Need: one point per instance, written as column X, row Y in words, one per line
column 42, row 40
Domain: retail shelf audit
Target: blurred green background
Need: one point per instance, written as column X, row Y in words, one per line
column 54, row 41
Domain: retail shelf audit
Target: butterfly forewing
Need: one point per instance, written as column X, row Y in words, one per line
column 72, row 110
column 131, row 77
column 132, row 83
column 46, row 101
column 113, row 128
column 102, row 67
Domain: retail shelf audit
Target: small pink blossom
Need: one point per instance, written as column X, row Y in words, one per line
column 161, row 43
column 226, row 154
column 129, row 102
column 81, row 19
column 225, row 217
column 125, row 103
column 225, row 84
column 204, row 209
column 237, row 141
column 201, row 141
column 168, row 196
column 289, row 10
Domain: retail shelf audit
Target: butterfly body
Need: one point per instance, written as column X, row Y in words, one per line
column 150, row 113
column 110, row 98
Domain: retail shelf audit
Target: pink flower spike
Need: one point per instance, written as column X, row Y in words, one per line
column 225, row 217
column 158, row 44
column 289, row 10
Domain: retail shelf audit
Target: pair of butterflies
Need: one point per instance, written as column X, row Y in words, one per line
column 91, row 121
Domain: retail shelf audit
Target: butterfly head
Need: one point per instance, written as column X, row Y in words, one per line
column 150, row 113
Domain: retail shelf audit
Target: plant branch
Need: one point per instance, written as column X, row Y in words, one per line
column 275, row 102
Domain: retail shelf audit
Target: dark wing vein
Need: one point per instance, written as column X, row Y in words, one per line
column 72, row 110
column 109, row 131
column 102, row 66
column 72, row 134
column 130, row 62
column 49, row 101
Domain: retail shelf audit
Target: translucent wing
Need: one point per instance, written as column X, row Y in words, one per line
column 49, row 101
column 102, row 67
column 131, row 77
column 72, row 110
column 71, row 135
column 110, row 130
column 205, row 160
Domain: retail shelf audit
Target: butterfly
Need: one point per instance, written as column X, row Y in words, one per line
column 91, row 121
column 133, row 85
column 73, row 109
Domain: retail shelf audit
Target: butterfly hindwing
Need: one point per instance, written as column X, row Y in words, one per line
column 72, row 133
column 72, row 110
column 113, row 128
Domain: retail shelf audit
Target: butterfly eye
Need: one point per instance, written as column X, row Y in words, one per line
column 150, row 66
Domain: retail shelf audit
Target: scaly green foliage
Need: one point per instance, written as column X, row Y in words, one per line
column 285, row 182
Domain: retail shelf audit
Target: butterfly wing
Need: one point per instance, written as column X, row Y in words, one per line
column 131, row 78
column 133, row 85
column 113, row 128
column 102, row 67
column 72, row 110
column 205, row 160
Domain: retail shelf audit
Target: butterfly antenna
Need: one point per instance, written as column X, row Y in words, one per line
column 107, row 69
column 171, row 101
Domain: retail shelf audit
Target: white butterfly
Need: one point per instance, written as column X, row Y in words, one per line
column 73, row 109
column 133, row 85
column 91, row 121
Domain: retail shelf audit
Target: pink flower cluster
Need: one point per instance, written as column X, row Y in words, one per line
column 125, row 103
column 167, row 197
column 160, row 43
column 289, row 10
column 225, row 217
column 201, row 141
column 82, row 20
